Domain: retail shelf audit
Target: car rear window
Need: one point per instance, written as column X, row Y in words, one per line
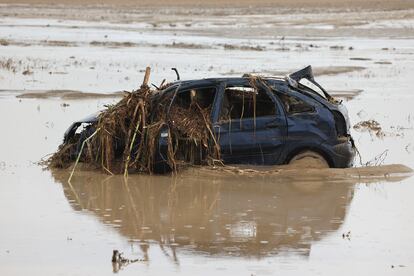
column 294, row 105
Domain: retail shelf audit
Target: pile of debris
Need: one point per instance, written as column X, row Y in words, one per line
column 125, row 136
column 371, row 126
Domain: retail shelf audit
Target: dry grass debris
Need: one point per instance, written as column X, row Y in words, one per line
column 8, row 64
column 125, row 137
column 371, row 126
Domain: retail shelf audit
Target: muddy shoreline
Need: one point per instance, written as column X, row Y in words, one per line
column 346, row 4
column 67, row 95
column 60, row 63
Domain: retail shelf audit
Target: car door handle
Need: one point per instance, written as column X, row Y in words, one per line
column 272, row 125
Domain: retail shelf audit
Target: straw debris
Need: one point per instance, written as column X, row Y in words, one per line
column 125, row 137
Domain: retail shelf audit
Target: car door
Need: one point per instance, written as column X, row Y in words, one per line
column 250, row 124
column 186, row 104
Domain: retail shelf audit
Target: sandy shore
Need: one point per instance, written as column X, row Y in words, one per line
column 346, row 4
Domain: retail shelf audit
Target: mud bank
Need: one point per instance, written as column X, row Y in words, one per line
column 300, row 174
column 318, row 71
column 67, row 95
column 368, row 4
column 367, row 173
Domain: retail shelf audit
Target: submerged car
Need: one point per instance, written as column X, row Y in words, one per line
column 274, row 121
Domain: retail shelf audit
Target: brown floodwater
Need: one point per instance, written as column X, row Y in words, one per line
column 221, row 215
column 204, row 221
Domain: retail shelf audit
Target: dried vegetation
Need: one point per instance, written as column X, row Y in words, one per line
column 8, row 64
column 371, row 126
column 125, row 137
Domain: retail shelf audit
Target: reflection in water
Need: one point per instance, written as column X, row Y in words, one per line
column 228, row 215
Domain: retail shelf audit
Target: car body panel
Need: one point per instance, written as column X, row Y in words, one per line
column 73, row 127
column 257, row 140
column 271, row 139
column 251, row 141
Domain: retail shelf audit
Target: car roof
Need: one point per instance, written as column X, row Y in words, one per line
column 232, row 80
column 281, row 85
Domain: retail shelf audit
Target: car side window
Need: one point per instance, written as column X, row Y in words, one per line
column 203, row 97
column 242, row 102
column 294, row 105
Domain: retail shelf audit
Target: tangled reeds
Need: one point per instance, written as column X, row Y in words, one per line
column 125, row 136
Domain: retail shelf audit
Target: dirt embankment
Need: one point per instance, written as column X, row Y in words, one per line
column 317, row 71
column 345, row 4
column 67, row 95
column 393, row 172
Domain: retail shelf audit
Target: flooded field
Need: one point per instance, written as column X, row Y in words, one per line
column 58, row 64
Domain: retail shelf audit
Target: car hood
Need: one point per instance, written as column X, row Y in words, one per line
column 72, row 128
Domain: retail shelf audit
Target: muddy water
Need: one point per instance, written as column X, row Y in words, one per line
column 241, row 219
column 203, row 222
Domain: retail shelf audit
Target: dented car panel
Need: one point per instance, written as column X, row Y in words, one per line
column 267, row 121
column 317, row 131
column 75, row 125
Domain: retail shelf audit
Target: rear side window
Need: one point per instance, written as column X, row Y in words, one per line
column 294, row 105
column 242, row 102
column 203, row 97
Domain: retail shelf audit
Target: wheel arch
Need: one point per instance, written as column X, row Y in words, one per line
column 316, row 149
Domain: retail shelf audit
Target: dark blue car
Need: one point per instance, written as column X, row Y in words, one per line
column 268, row 121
